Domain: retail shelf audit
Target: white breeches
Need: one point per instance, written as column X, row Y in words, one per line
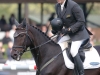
column 75, row 45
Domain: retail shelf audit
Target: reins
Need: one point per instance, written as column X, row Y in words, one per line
column 52, row 37
column 25, row 50
column 52, row 59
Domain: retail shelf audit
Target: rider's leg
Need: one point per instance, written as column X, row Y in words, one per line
column 77, row 60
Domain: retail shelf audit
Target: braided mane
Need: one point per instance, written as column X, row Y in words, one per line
column 43, row 33
column 20, row 27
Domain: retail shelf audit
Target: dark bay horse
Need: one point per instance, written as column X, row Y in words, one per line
column 43, row 50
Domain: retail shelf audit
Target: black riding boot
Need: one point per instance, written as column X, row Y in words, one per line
column 78, row 64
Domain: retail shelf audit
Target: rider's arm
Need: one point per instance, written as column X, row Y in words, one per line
column 79, row 16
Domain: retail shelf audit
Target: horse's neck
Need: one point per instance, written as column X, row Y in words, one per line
column 44, row 54
column 39, row 37
column 46, row 51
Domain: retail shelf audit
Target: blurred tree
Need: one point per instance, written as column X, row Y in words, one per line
column 96, row 8
column 7, row 9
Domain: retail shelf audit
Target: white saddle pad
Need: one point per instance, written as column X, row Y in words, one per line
column 92, row 58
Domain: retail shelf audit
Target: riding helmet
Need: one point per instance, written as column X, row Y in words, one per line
column 56, row 24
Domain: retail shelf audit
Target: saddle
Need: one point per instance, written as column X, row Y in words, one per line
column 84, row 47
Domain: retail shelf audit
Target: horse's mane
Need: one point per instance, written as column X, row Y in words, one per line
column 43, row 33
column 20, row 27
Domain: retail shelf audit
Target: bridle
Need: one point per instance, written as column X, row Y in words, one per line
column 23, row 47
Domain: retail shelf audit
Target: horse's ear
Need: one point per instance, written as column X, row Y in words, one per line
column 16, row 22
column 24, row 23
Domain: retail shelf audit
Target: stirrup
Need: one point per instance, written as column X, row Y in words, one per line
column 81, row 73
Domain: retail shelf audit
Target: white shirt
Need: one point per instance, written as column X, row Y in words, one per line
column 62, row 5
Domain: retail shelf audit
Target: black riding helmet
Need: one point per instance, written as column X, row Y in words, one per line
column 56, row 24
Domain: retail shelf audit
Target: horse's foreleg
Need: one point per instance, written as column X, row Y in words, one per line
column 63, row 71
column 99, row 71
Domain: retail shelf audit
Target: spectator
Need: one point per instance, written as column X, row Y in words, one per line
column 12, row 20
column 52, row 16
column 2, row 50
column 4, row 26
column 2, row 23
column 12, row 31
column 48, row 32
column 44, row 29
column 3, row 20
column 10, row 44
column 92, row 37
column 7, row 38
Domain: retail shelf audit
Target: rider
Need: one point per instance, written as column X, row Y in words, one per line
column 73, row 20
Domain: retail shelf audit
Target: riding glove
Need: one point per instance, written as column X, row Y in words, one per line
column 65, row 31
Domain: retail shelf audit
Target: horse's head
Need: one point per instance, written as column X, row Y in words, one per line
column 21, row 40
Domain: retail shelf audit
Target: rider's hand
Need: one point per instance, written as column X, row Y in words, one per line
column 54, row 32
column 65, row 31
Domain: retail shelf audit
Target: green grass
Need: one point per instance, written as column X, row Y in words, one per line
column 97, row 43
column 27, row 55
column 5, row 46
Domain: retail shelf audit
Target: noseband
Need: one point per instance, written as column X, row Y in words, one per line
column 23, row 47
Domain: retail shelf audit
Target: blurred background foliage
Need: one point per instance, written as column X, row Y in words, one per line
column 35, row 9
column 7, row 9
column 96, row 8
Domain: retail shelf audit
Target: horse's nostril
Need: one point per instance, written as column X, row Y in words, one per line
column 15, row 54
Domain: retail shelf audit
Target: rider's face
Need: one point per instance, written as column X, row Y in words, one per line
column 60, row 1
